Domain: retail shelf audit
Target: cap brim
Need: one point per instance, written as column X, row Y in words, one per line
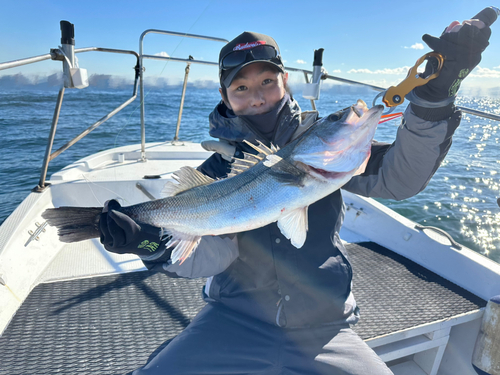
column 226, row 81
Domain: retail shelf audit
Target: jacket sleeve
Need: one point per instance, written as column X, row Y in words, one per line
column 213, row 255
column 402, row 169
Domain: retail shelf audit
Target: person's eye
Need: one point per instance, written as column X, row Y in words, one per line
column 267, row 81
column 241, row 88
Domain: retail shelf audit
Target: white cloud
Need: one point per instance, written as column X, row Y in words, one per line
column 416, row 46
column 300, row 62
column 355, row 71
column 402, row 70
column 479, row 72
column 336, row 71
column 163, row 54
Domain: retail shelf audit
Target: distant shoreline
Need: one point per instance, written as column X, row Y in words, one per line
column 110, row 82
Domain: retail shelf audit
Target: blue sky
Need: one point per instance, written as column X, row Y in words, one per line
column 368, row 41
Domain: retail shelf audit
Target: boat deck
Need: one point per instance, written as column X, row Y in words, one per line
column 113, row 324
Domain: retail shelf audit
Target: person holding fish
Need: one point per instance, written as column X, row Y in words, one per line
column 274, row 308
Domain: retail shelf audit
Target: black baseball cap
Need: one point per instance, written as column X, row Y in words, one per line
column 258, row 48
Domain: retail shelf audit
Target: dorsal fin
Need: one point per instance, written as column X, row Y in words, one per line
column 240, row 165
column 251, row 157
column 187, row 178
column 249, row 160
column 262, row 148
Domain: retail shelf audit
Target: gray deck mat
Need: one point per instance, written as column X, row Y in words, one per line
column 113, row 324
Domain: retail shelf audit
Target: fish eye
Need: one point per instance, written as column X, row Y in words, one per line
column 333, row 117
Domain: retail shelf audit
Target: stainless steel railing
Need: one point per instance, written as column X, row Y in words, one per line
column 56, row 54
column 188, row 61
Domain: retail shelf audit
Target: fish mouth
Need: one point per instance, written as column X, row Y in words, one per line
column 326, row 175
column 321, row 174
column 375, row 111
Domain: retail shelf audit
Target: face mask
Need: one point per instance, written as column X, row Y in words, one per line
column 266, row 122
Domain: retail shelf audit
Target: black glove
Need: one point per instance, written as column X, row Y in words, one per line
column 462, row 52
column 122, row 235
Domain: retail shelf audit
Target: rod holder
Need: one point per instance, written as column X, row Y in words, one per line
column 311, row 90
column 74, row 76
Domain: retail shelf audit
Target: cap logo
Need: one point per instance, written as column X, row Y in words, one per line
column 243, row 46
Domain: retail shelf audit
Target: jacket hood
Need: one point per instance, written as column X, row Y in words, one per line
column 224, row 125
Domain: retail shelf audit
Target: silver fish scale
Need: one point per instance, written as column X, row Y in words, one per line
column 212, row 209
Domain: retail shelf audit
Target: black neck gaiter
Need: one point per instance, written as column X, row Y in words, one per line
column 266, row 123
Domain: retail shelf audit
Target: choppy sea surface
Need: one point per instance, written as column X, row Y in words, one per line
column 461, row 198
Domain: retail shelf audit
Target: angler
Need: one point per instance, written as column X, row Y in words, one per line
column 274, row 308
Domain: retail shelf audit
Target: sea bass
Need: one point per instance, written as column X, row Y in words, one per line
column 275, row 185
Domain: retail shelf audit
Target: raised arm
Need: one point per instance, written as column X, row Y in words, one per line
column 403, row 169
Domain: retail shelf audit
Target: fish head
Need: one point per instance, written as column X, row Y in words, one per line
column 336, row 146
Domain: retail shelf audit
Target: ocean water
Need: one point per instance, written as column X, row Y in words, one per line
column 461, row 198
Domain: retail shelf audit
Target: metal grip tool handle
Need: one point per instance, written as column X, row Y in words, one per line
column 395, row 95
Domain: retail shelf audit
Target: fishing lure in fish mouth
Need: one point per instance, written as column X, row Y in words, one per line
column 276, row 185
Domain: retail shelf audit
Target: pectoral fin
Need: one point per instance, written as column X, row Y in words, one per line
column 294, row 226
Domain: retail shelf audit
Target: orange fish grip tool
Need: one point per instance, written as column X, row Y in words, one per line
column 395, row 95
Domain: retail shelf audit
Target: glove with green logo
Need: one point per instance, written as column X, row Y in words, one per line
column 122, row 235
column 461, row 45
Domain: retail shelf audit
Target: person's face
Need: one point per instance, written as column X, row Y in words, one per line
column 256, row 90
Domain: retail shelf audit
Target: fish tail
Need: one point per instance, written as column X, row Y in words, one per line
column 74, row 223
